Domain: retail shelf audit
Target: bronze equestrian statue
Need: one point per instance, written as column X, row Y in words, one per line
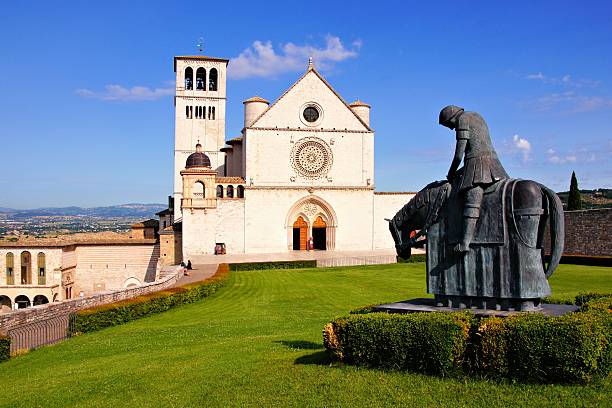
column 484, row 231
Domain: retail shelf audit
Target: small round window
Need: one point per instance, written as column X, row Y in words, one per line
column 311, row 114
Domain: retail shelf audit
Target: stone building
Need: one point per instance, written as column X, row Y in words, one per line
column 301, row 173
column 43, row 270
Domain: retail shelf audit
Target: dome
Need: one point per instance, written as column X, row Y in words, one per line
column 197, row 159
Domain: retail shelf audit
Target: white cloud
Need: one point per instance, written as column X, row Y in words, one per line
column 262, row 60
column 583, row 155
column 522, row 145
column 566, row 80
column 568, row 102
column 114, row 92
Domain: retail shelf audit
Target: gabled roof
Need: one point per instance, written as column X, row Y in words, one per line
column 312, row 69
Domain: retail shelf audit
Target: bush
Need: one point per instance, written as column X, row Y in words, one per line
column 5, row 348
column 586, row 297
column 573, row 348
column 415, row 258
column 257, row 266
column 422, row 342
column 112, row 314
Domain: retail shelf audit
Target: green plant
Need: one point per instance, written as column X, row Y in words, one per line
column 574, row 201
column 5, row 348
column 415, row 258
column 422, row 342
column 112, row 314
column 256, row 266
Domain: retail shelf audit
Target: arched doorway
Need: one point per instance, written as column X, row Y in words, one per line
column 319, row 234
column 40, row 300
column 26, row 269
column 300, row 234
column 22, row 301
column 5, row 304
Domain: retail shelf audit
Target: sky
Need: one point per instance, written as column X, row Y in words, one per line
column 87, row 115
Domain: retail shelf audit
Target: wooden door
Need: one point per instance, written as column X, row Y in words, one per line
column 302, row 227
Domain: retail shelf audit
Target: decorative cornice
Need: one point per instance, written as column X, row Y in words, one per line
column 311, row 189
column 309, row 130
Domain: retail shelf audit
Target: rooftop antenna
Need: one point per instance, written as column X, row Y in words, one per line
column 200, row 45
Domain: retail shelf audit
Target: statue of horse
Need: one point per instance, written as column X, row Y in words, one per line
column 504, row 267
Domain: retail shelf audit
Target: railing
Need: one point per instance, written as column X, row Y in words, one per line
column 39, row 333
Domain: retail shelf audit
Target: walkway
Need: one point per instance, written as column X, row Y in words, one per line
column 204, row 266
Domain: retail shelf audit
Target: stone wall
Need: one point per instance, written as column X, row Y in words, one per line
column 587, row 233
column 38, row 313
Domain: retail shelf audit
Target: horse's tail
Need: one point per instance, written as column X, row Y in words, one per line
column 557, row 229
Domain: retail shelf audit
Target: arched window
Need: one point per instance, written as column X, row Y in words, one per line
column 22, row 301
column 213, row 113
column 212, row 79
column 230, row 191
column 10, row 269
column 26, row 268
column 5, row 304
column 201, row 79
column 42, row 272
column 40, row 300
column 188, row 78
column 198, row 190
column 220, row 191
column 240, row 192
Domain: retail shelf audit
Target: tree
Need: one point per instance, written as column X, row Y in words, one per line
column 574, row 201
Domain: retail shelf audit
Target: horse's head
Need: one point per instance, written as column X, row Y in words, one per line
column 418, row 214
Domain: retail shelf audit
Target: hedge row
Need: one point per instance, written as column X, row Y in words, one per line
column 415, row 258
column 5, row 348
column 574, row 348
column 257, row 266
column 99, row 317
column 433, row 343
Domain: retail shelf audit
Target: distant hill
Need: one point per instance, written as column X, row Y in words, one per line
column 134, row 210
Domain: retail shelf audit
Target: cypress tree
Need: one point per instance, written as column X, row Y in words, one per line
column 574, row 201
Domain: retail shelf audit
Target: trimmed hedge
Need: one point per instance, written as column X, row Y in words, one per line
column 112, row 314
column 415, row 258
column 530, row 347
column 5, row 348
column 257, row 266
column 432, row 343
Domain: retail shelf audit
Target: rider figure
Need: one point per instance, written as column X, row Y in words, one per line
column 481, row 167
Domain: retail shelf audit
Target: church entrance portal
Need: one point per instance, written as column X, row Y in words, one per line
column 319, row 235
column 300, row 234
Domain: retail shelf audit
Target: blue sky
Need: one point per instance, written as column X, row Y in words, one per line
column 85, row 87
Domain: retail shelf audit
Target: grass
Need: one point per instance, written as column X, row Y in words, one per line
column 257, row 342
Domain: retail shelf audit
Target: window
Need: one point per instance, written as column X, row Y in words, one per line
column 26, row 268
column 200, row 79
column 42, row 276
column 188, row 78
column 230, row 191
column 211, row 112
column 311, row 114
column 198, row 190
column 212, row 80
column 219, row 191
column 240, row 192
column 10, row 267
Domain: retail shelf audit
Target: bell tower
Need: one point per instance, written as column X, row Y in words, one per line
column 199, row 114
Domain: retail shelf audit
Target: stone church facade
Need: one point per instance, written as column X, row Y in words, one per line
column 300, row 174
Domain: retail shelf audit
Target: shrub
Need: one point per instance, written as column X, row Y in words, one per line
column 415, row 258
column 568, row 349
column 5, row 348
column 586, row 297
column 113, row 314
column 257, row 266
column 422, row 342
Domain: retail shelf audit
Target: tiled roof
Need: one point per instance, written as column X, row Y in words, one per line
column 256, row 99
column 235, row 140
column 359, row 103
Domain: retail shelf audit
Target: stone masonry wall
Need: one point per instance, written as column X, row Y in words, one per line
column 587, row 232
column 50, row 310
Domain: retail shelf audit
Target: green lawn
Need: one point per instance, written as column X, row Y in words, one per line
column 257, row 342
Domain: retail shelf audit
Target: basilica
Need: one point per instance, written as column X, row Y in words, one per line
column 299, row 176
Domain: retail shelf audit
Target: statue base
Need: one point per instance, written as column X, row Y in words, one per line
column 430, row 305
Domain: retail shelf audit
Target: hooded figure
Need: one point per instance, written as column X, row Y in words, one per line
column 481, row 167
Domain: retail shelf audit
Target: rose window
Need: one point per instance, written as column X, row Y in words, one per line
column 311, row 157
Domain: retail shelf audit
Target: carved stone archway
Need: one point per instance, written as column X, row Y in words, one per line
column 312, row 208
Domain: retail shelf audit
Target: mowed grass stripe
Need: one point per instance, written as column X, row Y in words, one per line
column 257, row 342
